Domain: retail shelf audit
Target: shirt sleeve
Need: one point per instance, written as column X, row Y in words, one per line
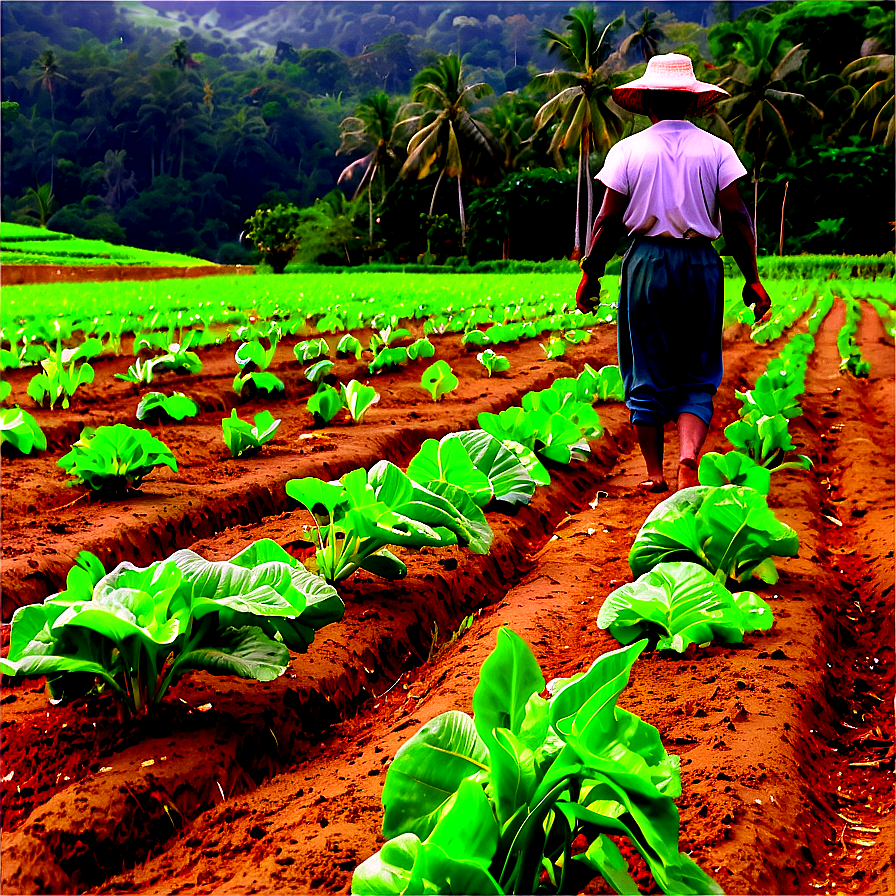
column 614, row 174
column 730, row 166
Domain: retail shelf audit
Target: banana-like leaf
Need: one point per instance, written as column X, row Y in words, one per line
column 246, row 652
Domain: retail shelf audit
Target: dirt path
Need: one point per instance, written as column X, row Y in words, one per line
column 274, row 788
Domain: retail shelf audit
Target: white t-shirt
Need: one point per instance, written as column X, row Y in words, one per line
column 672, row 173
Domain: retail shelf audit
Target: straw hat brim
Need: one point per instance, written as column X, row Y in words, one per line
column 631, row 96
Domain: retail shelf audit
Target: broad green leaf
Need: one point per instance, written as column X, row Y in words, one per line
column 449, row 461
column 19, row 429
column 246, row 652
column 733, row 468
column 326, row 403
column 508, row 678
column 317, row 372
column 678, row 604
column 509, row 478
column 428, row 770
column 359, row 398
column 438, row 379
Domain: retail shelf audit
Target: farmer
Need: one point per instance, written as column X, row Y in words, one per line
column 673, row 188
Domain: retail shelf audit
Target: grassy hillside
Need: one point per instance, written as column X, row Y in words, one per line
column 21, row 244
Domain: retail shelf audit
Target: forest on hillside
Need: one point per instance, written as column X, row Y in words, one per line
column 406, row 131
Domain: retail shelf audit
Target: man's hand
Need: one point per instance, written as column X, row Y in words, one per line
column 588, row 293
column 756, row 297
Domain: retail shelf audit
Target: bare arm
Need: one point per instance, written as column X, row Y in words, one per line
column 605, row 234
column 739, row 238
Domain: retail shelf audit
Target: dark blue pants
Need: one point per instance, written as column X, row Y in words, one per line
column 671, row 302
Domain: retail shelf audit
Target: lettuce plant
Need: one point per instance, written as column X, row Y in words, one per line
column 254, row 356
column 728, row 529
column 317, row 372
column 357, row 517
column 176, row 406
column 359, row 399
column 733, row 468
column 325, row 404
column 349, row 345
column 58, row 381
column 492, row 362
column 476, row 462
column 179, row 358
column 311, row 350
column 388, row 357
column 20, row 430
column 421, row 348
column 682, row 603
column 766, row 440
column 555, row 348
column 260, row 382
column 438, row 379
column 110, row 460
column 493, row 803
column 139, row 372
column 136, row 630
column 242, row 437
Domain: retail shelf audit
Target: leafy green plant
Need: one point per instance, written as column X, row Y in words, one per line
column 255, row 356
column 357, row 517
column 136, row 630
column 476, row 462
column 388, row 357
column 5, row 389
column 179, row 358
column 556, row 348
column 438, row 379
column 851, row 358
column 260, row 382
column 325, row 404
column 110, row 460
column 242, row 437
column 21, row 431
column 493, row 803
column 493, row 362
column 359, row 398
column 728, row 529
column 311, row 350
column 766, row 440
column 176, row 406
column 577, row 337
column 678, row 604
column 422, row 348
column 317, row 372
column 58, row 380
column 349, row 345
column 733, row 468
column 140, row 372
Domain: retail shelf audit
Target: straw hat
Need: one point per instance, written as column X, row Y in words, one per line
column 671, row 71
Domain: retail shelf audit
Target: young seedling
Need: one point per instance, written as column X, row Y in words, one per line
column 319, row 371
column 242, row 437
column 261, row 382
column 493, row 362
column 325, row 404
column 359, row 398
column 20, row 430
column 349, row 345
column 438, row 379
column 177, row 406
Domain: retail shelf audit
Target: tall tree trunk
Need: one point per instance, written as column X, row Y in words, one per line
column 781, row 232
column 577, row 248
column 586, row 140
column 463, row 217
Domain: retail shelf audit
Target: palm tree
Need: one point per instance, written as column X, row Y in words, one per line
column 761, row 116
column 510, row 121
column 48, row 77
column 370, row 128
column 445, row 133
column 644, row 41
column 871, row 103
column 588, row 117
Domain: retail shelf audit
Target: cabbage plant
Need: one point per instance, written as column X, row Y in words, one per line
column 242, row 437
column 325, row 404
column 176, row 406
column 135, row 630
column 729, row 529
column 493, row 362
column 110, row 460
column 358, row 516
column 359, row 399
column 438, row 379
column 21, row 431
column 678, row 604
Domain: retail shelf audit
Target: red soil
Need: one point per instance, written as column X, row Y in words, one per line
column 247, row 787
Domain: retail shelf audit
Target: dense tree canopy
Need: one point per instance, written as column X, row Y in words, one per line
column 166, row 127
